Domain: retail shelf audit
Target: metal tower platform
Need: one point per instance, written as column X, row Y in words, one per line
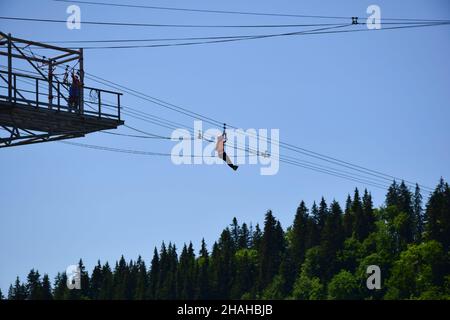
column 34, row 102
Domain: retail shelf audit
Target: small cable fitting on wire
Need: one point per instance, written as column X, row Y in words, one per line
column 224, row 134
column 354, row 20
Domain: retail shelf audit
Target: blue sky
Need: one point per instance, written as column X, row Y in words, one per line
column 377, row 99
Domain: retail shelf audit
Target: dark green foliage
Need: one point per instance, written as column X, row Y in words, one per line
column 437, row 215
column 299, row 235
column 323, row 255
column 186, row 273
column 96, row 281
column 343, row 286
column 348, row 218
column 418, row 213
column 202, row 272
column 46, row 293
column 270, row 251
column 18, row 291
column 332, row 240
column 153, row 276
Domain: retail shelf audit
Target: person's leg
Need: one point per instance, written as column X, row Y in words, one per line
column 70, row 104
column 228, row 161
column 77, row 103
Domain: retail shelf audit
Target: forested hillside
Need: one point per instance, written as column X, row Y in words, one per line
column 322, row 255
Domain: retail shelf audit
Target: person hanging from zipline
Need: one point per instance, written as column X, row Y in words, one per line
column 220, row 148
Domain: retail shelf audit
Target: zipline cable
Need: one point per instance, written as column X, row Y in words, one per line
column 123, row 5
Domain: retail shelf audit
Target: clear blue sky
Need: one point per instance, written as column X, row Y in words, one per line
column 378, row 99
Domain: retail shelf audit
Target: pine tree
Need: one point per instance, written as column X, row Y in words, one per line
column 360, row 226
column 130, row 285
column 18, row 292
column 46, row 288
column 167, row 277
column 96, row 282
column 332, row 240
column 244, row 237
column 11, row 292
column 392, row 196
column 202, row 287
column 153, row 276
column 226, row 267
column 313, row 236
column 60, row 290
column 348, row 218
column 172, row 275
column 186, row 273
column 271, row 250
column 437, row 215
column 322, row 214
column 141, row 280
column 214, row 270
column 418, row 213
column 406, row 206
column 83, row 293
column 364, row 218
column 235, row 232
column 107, row 286
column 299, row 234
column 256, row 237
column 121, row 275
column 34, row 285
column 161, row 289
column 368, row 210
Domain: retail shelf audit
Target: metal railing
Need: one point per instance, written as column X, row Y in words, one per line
column 38, row 92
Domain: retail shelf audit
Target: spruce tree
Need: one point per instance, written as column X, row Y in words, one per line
column 271, row 250
column 244, row 237
column 361, row 227
column 60, row 290
column 18, row 292
column 256, row 237
column 313, row 237
column 121, row 275
column 437, row 215
column 348, row 218
column 392, row 196
column 235, row 232
column 46, row 288
column 83, row 293
column 107, row 286
column 11, row 292
column 332, row 240
column 226, row 268
column 96, row 281
column 186, row 273
column 322, row 214
column 153, row 276
column 34, row 285
column 202, row 287
column 299, row 234
column 418, row 213
column 141, row 280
